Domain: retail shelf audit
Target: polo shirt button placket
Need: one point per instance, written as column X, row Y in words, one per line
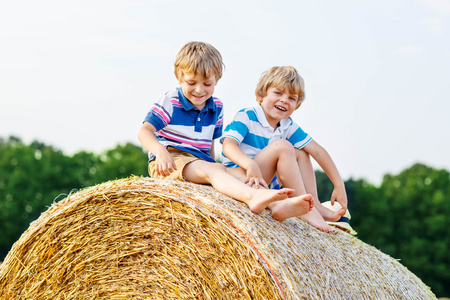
column 198, row 125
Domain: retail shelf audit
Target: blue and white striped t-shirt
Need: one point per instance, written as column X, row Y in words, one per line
column 181, row 125
column 253, row 133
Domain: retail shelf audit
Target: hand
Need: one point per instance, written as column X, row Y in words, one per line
column 164, row 164
column 340, row 196
column 254, row 177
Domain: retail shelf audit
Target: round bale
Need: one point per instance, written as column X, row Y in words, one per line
column 140, row 238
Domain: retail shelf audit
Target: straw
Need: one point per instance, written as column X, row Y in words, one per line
column 140, row 238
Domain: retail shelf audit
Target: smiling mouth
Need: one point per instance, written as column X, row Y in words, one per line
column 280, row 108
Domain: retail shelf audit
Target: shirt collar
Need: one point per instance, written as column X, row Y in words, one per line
column 187, row 105
column 284, row 123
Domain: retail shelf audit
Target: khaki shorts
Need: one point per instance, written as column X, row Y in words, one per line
column 181, row 159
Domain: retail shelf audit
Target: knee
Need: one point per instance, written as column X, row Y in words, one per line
column 218, row 167
column 283, row 146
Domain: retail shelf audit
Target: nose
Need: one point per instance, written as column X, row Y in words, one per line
column 284, row 99
column 198, row 88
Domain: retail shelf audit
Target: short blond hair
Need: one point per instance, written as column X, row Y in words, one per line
column 283, row 78
column 199, row 58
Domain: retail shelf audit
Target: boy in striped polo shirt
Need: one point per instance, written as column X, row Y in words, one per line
column 180, row 129
column 263, row 144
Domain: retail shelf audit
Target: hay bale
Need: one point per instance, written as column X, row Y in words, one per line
column 140, row 238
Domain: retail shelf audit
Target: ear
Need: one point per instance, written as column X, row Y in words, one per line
column 259, row 99
column 176, row 76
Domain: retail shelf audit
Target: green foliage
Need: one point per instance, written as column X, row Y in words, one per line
column 30, row 176
column 33, row 176
column 121, row 162
column 419, row 204
column 405, row 217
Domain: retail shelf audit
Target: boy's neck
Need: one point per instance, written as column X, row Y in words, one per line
column 276, row 126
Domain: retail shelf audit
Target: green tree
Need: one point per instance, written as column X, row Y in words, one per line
column 84, row 166
column 324, row 186
column 406, row 217
column 31, row 177
column 120, row 162
column 419, row 205
column 369, row 210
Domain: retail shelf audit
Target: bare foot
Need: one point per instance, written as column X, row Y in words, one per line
column 263, row 197
column 292, row 207
column 315, row 219
column 328, row 214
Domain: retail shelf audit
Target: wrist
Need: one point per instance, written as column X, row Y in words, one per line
column 250, row 164
column 160, row 151
column 339, row 186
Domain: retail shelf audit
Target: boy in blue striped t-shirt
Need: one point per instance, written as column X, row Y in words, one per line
column 263, row 144
column 180, row 129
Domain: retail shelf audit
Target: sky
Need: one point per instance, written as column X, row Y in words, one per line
column 82, row 74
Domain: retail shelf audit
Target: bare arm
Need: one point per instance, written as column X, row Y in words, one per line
column 326, row 163
column 212, row 151
column 164, row 161
column 230, row 149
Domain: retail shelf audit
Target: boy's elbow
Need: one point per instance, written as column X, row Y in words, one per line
column 140, row 133
column 225, row 149
column 143, row 132
column 227, row 145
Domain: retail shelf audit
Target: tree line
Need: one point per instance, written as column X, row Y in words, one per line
column 405, row 216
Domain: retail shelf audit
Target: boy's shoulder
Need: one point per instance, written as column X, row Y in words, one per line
column 217, row 102
column 168, row 97
column 249, row 111
column 256, row 114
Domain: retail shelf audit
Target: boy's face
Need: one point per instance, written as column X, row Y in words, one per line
column 197, row 89
column 277, row 105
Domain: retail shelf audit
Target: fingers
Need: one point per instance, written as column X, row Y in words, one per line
column 342, row 202
column 264, row 184
column 311, row 203
column 254, row 183
column 166, row 170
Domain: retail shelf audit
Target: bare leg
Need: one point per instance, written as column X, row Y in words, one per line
column 283, row 209
column 204, row 172
column 281, row 156
column 309, row 180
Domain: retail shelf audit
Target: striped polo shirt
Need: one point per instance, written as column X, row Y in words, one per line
column 253, row 133
column 181, row 125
